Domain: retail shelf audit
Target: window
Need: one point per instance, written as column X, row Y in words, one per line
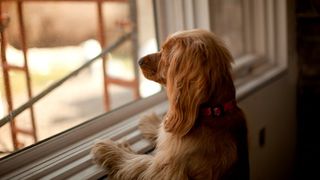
column 255, row 33
column 56, row 38
column 229, row 26
column 262, row 32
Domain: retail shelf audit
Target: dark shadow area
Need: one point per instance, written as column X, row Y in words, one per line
column 308, row 92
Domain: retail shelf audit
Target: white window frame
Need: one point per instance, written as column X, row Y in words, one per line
column 265, row 35
column 66, row 155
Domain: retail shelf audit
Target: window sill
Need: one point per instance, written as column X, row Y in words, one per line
column 67, row 155
column 258, row 80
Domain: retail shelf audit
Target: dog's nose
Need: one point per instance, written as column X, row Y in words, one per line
column 141, row 62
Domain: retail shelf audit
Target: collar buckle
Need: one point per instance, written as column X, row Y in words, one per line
column 217, row 110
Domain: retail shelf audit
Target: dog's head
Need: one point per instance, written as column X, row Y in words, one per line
column 194, row 66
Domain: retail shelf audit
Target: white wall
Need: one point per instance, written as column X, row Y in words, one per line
column 273, row 108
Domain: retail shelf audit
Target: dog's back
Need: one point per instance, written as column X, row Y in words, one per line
column 240, row 169
column 226, row 138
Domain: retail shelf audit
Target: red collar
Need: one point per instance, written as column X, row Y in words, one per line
column 218, row 109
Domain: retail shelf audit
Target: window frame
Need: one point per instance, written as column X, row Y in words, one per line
column 68, row 152
column 66, row 155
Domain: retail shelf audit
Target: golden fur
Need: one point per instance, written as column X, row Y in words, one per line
column 194, row 66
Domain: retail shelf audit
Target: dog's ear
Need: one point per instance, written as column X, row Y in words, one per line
column 187, row 86
column 199, row 70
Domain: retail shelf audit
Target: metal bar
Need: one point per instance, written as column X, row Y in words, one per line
column 27, row 73
column 102, row 39
column 7, row 85
column 135, row 46
column 4, row 21
column 14, row 67
column 122, row 82
column 24, row 131
column 26, row 105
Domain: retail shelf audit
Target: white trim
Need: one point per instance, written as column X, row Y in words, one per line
column 281, row 35
column 202, row 15
column 259, row 29
column 247, row 22
column 189, row 14
column 180, row 15
column 246, row 61
column 270, row 25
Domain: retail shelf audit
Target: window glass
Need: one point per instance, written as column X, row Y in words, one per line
column 60, row 37
column 228, row 24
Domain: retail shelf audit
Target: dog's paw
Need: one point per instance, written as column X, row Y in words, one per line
column 107, row 154
column 149, row 126
column 124, row 145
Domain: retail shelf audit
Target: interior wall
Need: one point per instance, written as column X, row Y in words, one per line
column 272, row 108
column 272, row 118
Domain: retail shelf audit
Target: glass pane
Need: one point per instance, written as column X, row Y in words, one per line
column 61, row 37
column 228, row 24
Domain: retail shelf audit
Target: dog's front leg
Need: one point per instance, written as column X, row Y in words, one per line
column 108, row 155
column 120, row 163
column 149, row 126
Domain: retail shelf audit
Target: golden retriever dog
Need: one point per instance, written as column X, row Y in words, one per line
column 203, row 134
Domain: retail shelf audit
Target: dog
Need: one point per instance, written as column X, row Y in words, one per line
column 203, row 134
